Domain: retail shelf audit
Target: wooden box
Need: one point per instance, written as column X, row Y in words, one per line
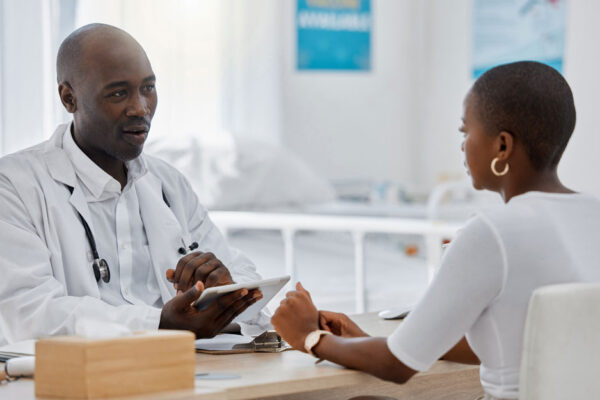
column 146, row 362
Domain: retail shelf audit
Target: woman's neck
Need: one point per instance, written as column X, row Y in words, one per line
column 544, row 181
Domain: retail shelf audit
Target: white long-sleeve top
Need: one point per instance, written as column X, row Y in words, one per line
column 487, row 276
column 46, row 277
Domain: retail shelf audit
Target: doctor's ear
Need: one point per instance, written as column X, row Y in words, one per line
column 505, row 145
column 65, row 91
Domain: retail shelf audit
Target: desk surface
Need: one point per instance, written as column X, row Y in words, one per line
column 293, row 375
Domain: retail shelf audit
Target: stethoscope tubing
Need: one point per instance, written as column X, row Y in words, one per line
column 99, row 265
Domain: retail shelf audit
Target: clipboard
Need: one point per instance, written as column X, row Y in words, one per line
column 267, row 342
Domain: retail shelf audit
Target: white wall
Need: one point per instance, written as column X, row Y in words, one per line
column 444, row 78
column 397, row 122
column 28, row 89
column 356, row 124
column 400, row 120
column 579, row 168
column 448, row 58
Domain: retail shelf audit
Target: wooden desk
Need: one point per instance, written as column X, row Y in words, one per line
column 293, row 375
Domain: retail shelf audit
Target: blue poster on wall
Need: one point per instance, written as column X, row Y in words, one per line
column 334, row 34
column 513, row 30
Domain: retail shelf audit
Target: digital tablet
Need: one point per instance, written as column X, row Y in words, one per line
column 268, row 287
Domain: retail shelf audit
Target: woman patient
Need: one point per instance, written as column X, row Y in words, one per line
column 517, row 121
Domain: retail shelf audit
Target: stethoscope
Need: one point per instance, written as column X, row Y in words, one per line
column 99, row 265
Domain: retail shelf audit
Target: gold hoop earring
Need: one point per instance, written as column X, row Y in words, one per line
column 493, row 167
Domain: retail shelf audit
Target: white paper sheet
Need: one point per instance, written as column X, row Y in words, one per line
column 225, row 341
column 18, row 349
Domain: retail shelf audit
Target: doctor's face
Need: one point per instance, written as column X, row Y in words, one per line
column 477, row 146
column 116, row 99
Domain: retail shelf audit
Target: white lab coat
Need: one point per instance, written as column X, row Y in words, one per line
column 46, row 277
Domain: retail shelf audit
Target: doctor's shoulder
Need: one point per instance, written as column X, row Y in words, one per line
column 24, row 179
column 23, row 165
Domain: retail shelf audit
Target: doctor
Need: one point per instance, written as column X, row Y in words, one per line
column 90, row 227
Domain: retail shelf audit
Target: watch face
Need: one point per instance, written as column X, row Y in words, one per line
column 312, row 339
column 310, row 342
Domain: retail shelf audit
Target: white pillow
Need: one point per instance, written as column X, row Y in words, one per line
column 247, row 174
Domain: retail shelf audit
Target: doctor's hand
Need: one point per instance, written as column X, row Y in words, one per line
column 179, row 313
column 296, row 317
column 198, row 266
column 339, row 324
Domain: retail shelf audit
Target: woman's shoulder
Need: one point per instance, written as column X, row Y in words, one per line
column 534, row 211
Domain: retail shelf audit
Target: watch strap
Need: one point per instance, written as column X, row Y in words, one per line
column 312, row 339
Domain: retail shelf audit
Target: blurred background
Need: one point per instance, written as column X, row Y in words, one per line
column 326, row 108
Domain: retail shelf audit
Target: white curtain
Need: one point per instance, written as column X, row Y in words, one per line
column 216, row 61
column 218, row 64
column 253, row 51
column 30, row 32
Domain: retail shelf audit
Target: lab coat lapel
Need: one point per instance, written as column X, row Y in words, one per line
column 163, row 231
column 61, row 169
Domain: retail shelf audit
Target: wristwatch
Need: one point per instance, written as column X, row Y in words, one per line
column 312, row 339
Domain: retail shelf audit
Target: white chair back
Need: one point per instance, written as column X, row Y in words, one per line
column 561, row 347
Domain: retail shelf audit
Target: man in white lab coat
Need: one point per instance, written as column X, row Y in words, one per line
column 91, row 228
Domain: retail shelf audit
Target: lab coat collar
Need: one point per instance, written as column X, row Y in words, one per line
column 59, row 165
column 96, row 180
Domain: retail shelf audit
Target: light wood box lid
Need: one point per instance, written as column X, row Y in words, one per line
column 145, row 362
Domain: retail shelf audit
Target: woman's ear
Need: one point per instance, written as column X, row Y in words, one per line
column 505, row 145
column 67, row 97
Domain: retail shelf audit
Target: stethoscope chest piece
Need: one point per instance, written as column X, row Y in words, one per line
column 101, row 270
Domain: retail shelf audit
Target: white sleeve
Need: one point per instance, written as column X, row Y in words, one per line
column 33, row 303
column 470, row 277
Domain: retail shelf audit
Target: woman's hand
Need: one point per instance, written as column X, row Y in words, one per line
column 296, row 317
column 339, row 324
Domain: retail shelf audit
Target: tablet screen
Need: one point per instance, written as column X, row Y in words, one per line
column 268, row 287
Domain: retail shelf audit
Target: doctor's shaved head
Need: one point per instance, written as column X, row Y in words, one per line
column 74, row 50
column 106, row 82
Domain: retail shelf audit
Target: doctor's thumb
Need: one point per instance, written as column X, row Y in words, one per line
column 192, row 294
